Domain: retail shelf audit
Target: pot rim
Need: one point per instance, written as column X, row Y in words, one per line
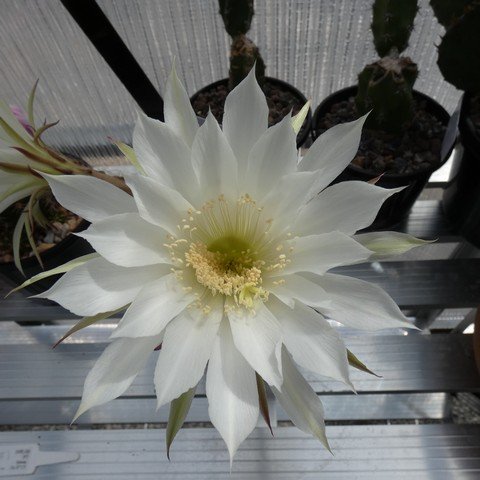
column 308, row 120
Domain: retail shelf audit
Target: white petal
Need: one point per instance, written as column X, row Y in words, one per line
column 300, row 402
column 333, row 151
column 231, row 391
column 313, row 343
column 319, row 253
column 157, row 203
column 164, row 156
column 179, row 114
column 273, row 156
column 284, row 201
column 100, row 286
column 90, row 198
column 152, row 309
column 295, row 287
column 258, row 337
column 345, row 207
column 115, row 370
column 128, row 240
column 23, row 191
column 186, row 348
column 245, row 117
column 214, row 161
column 385, row 244
column 359, row 304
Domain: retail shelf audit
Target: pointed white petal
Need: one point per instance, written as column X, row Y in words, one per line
column 313, row 343
column 273, row 156
column 258, row 338
column 179, row 114
column 333, row 151
column 128, row 240
column 300, row 402
column 90, row 198
column 153, row 308
column 319, row 253
column 157, row 203
column 345, row 207
column 359, row 304
column 283, row 202
column 186, row 348
column 100, row 286
column 295, row 287
column 231, row 391
column 245, row 117
column 214, row 161
column 386, row 244
column 115, row 370
column 164, row 156
column 7, row 199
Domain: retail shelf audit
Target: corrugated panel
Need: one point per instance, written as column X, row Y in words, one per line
column 40, row 40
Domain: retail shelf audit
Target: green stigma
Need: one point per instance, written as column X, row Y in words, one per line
column 229, row 245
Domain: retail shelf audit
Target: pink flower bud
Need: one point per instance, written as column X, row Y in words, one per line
column 21, row 116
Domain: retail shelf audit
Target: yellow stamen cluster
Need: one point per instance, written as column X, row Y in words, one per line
column 240, row 277
column 226, row 246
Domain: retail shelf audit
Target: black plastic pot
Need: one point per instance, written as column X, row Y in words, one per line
column 461, row 197
column 397, row 207
column 69, row 248
column 304, row 131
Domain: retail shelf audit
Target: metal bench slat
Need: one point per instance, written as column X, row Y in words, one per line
column 143, row 410
column 410, row 363
column 452, row 283
column 362, row 452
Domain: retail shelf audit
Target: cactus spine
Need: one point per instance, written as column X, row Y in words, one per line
column 459, row 50
column 386, row 86
column 244, row 54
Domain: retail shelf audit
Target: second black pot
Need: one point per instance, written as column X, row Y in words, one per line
column 461, row 197
column 397, row 207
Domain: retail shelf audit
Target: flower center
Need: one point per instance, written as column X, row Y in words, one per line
column 226, row 247
column 228, row 271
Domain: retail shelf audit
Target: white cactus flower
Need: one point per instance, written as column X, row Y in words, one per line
column 221, row 255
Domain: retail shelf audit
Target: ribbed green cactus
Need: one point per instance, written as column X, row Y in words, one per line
column 459, row 50
column 392, row 24
column 385, row 86
column 237, row 16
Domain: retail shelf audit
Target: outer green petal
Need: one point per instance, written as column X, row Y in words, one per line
column 385, row 244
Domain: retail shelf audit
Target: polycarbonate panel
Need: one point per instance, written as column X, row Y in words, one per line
column 319, row 46
column 41, row 40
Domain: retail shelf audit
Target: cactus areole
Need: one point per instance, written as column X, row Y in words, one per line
column 385, row 86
